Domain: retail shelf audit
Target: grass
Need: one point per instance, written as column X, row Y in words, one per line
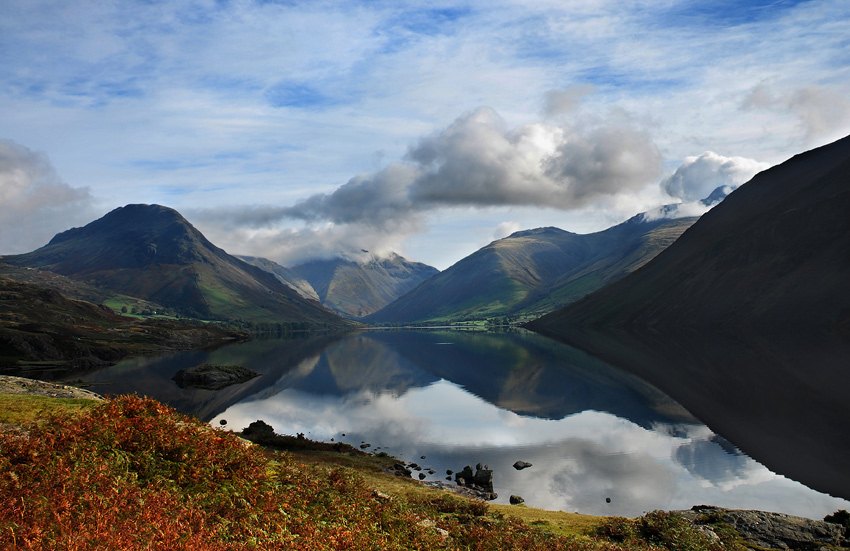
column 26, row 410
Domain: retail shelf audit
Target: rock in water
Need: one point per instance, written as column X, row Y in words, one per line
column 213, row 377
column 520, row 465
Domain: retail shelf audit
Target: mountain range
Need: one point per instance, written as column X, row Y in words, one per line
column 357, row 289
column 773, row 255
column 533, row 272
column 153, row 253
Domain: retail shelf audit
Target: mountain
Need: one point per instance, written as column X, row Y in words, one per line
column 773, row 255
column 152, row 252
column 357, row 289
column 534, row 271
column 285, row 275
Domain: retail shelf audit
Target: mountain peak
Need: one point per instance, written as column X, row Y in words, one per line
column 547, row 230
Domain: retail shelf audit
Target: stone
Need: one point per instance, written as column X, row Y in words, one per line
column 516, row 500
column 401, row 470
column 520, row 465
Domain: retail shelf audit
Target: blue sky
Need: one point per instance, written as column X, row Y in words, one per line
column 295, row 129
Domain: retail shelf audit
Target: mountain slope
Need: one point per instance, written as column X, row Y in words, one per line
column 533, row 271
column 285, row 275
column 773, row 255
column 357, row 289
column 152, row 252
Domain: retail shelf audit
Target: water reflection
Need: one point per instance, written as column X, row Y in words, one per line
column 591, row 432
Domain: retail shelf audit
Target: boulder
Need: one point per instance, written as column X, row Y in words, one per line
column 516, row 500
column 520, row 465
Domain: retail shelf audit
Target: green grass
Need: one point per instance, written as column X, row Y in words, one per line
column 26, row 409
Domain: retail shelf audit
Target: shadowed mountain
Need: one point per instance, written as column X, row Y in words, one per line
column 357, row 289
column 773, row 254
column 533, row 272
column 152, row 252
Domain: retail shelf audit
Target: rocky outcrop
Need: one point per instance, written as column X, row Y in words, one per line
column 481, row 480
column 762, row 530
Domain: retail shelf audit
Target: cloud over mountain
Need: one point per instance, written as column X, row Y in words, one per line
column 476, row 162
column 698, row 176
column 35, row 203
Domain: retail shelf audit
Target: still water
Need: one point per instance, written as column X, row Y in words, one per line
column 601, row 441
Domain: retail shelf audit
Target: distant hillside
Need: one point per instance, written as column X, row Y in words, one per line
column 533, row 271
column 152, row 252
column 773, row 254
column 357, row 289
column 285, row 275
column 45, row 334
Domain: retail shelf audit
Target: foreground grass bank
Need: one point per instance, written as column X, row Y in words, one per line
column 133, row 474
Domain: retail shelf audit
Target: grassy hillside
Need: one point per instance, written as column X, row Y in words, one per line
column 40, row 329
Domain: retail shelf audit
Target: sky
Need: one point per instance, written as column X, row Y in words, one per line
column 294, row 130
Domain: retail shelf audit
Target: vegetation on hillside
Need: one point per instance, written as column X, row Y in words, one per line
column 133, row 474
column 41, row 329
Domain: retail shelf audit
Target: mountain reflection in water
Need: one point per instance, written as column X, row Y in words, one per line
column 592, row 432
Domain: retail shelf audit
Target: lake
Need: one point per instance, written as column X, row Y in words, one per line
column 600, row 441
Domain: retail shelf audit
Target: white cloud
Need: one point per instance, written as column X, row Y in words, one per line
column 820, row 111
column 698, row 176
column 34, row 203
column 505, row 229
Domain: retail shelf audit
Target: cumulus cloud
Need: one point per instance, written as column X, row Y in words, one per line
column 35, row 204
column 820, row 111
column 698, row 176
column 476, row 162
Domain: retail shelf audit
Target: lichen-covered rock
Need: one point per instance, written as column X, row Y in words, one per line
column 760, row 529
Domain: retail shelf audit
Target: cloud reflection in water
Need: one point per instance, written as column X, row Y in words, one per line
column 579, row 461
